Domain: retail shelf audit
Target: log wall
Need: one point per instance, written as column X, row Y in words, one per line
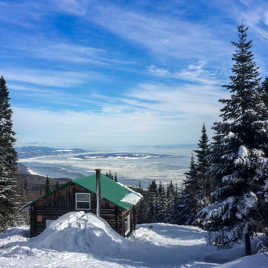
column 63, row 201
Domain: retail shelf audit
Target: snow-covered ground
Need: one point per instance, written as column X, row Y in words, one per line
column 81, row 239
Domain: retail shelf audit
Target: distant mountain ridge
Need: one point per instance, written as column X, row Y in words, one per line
column 35, row 183
column 35, row 151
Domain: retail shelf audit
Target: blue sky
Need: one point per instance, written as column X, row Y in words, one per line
column 85, row 73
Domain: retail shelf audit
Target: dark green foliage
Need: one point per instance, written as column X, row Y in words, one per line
column 22, row 216
column 170, row 190
column 157, row 204
column 196, row 186
column 151, row 199
column 263, row 110
column 215, row 161
column 8, row 160
column 202, row 152
column 47, row 186
column 265, row 93
column 237, row 152
column 160, row 205
column 188, row 202
column 203, row 187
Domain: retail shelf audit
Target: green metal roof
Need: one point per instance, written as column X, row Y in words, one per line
column 110, row 190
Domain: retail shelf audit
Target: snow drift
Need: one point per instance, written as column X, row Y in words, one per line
column 79, row 232
column 80, row 239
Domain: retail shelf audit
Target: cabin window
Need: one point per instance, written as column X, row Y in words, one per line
column 82, row 201
column 127, row 224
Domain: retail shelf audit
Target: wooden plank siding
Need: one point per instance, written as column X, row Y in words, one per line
column 62, row 201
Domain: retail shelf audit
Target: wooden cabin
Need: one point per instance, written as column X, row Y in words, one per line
column 117, row 203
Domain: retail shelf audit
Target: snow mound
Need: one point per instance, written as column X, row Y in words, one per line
column 79, row 232
column 80, row 239
column 243, row 151
column 257, row 260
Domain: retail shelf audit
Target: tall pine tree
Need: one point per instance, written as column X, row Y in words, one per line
column 262, row 186
column 202, row 167
column 239, row 142
column 215, row 161
column 188, row 201
column 8, row 159
column 47, row 186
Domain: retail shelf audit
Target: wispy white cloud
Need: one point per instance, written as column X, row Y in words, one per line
column 148, row 114
column 69, row 128
column 50, row 77
column 69, row 52
column 43, row 43
column 77, row 7
column 253, row 13
column 158, row 71
column 183, row 101
column 26, row 14
column 78, row 128
column 162, row 35
column 196, row 73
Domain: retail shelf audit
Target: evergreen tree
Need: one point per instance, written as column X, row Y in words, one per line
column 187, row 203
column 170, row 191
column 262, row 190
column 25, row 187
column 160, row 204
column 240, row 139
column 115, row 177
column 263, row 109
column 215, row 161
column 142, row 210
column 264, row 93
column 152, row 197
column 22, row 216
column 47, row 186
column 8, row 160
column 202, row 167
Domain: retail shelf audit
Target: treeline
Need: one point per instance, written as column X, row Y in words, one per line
column 158, row 204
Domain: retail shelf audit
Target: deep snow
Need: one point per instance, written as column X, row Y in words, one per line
column 80, row 239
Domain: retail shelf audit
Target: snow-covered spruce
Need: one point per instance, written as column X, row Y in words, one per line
column 238, row 157
column 8, row 158
column 188, row 202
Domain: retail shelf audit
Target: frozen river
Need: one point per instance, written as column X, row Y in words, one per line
column 133, row 165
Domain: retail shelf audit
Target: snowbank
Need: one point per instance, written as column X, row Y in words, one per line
column 258, row 261
column 14, row 235
column 79, row 232
column 80, row 239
